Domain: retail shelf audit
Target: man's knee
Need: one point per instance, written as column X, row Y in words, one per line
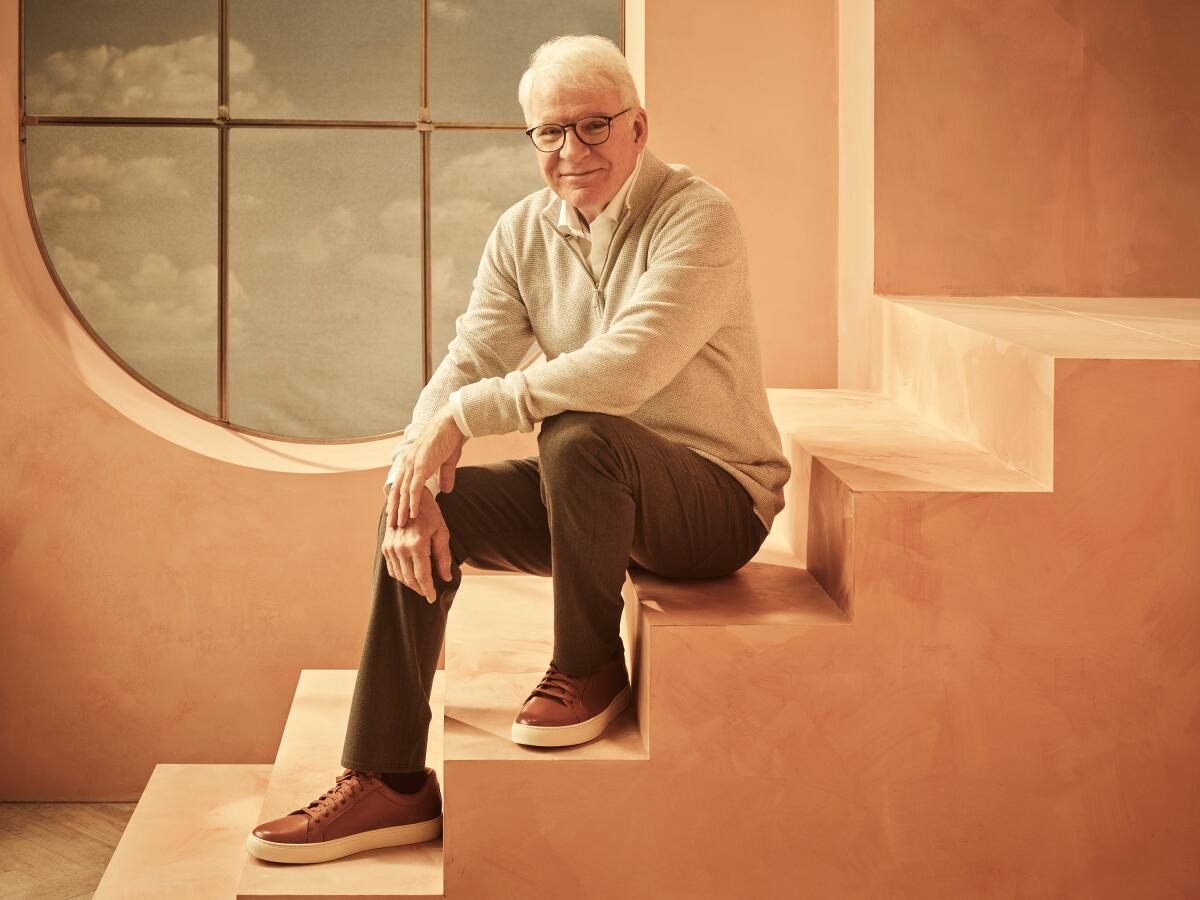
column 458, row 503
column 445, row 499
column 588, row 439
column 571, row 426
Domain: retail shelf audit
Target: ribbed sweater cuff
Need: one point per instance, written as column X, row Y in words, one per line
column 496, row 405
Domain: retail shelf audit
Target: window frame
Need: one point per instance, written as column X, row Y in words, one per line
column 423, row 125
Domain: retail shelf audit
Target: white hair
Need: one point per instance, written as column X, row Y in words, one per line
column 587, row 61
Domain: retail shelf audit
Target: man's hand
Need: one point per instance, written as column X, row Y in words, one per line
column 407, row 549
column 437, row 449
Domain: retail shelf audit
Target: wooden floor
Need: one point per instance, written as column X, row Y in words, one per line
column 57, row 851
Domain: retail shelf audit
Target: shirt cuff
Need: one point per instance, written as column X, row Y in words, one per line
column 459, row 419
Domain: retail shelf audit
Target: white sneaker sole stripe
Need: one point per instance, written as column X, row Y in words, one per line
column 567, row 735
column 323, row 851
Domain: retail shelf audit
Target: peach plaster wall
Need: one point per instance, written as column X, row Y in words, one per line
column 746, row 95
column 1037, row 146
column 161, row 586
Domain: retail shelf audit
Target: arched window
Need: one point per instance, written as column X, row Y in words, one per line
column 271, row 212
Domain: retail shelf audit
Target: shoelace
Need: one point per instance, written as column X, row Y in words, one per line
column 567, row 689
column 349, row 783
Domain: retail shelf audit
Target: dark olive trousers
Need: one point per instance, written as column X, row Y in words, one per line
column 604, row 493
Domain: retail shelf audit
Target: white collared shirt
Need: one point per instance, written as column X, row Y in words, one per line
column 594, row 240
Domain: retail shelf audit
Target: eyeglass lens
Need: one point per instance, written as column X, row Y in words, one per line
column 593, row 130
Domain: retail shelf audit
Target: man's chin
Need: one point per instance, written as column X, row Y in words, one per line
column 580, row 196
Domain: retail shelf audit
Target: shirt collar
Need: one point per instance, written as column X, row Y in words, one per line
column 571, row 222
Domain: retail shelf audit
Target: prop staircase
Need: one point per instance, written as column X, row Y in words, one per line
column 964, row 663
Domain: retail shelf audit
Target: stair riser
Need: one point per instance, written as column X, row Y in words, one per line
column 830, row 550
column 733, row 698
column 995, row 394
column 525, row 829
column 792, row 524
column 651, row 831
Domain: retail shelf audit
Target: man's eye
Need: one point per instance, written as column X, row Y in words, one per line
column 595, row 127
column 549, row 132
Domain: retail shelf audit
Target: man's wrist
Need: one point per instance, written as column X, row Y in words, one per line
column 449, row 421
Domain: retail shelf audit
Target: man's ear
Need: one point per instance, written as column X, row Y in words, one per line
column 645, row 127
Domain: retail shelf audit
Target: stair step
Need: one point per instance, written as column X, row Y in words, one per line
column 843, row 443
column 987, row 368
column 307, row 763
column 872, row 443
column 499, row 642
column 758, row 594
column 1075, row 328
column 848, row 445
column 187, row 836
column 1176, row 318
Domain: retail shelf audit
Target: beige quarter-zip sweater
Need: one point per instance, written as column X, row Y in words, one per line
column 664, row 333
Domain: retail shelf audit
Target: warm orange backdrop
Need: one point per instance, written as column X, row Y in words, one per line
column 746, row 95
column 1038, row 147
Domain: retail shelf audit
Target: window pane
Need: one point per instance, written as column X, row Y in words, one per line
column 129, row 217
column 476, row 175
column 325, row 244
column 478, row 51
column 127, row 58
column 353, row 59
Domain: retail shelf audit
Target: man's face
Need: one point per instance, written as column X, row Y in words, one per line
column 587, row 176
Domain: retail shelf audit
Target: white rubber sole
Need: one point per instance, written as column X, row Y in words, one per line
column 567, row 735
column 323, row 851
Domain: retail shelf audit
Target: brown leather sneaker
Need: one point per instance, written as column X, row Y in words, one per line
column 359, row 813
column 562, row 710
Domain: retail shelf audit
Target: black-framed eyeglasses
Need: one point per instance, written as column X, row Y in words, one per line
column 592, row 130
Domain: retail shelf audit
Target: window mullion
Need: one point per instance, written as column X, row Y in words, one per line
column 222, row 121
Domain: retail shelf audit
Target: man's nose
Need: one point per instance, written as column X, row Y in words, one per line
column 579, row 148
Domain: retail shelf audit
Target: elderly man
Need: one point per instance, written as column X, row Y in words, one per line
column 656, row 449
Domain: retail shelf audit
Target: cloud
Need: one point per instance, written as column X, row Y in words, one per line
column 341, row 223
column 389, row 268
column 470, row 193
column 152, row 176
column 158, row 304
column 142, row 177
column 244, row 202
column 447, row 9
column 501, row 173
column 83, row 281
column 319, row 244
column 313, row 249
column 401, row 217
column 174, row 79
column 55, row 200
column 75, row 165
column 156, row 273
column 457, row 212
